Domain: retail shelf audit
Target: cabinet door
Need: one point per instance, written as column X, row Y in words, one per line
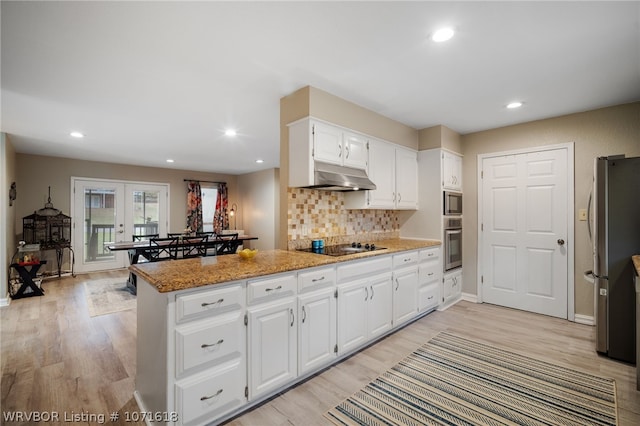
column 451, row 171
column 452, row 288
column 406, row 179
column 317, row 329
column 382, row 173
column 380, row 307
column 355, row 150
column 405, row 293
column 272, row 346
column 327, row 143
column 352, row 315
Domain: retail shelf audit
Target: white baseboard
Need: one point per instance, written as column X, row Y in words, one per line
column 5, row 301
column 473, row 298
column 584, row 319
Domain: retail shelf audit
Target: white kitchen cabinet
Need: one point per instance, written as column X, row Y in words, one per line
column 272, row 333
column 405, row 287
column 452, row 288
column 429, row 279
column 355, row 150
column 317, row 344
column 394, row 170
column 406, row 179
column 451, row 171
column 364, row 311
column 313, row 140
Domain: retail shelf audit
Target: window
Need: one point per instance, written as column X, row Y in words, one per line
column 209, row 198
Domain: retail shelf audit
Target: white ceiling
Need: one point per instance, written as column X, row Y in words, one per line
column 148, row 81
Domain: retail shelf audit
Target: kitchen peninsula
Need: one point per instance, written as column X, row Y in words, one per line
column 218, row 335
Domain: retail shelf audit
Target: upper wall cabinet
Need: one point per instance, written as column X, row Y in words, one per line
column 451, row 171
column 315, row 140
column 394, row 170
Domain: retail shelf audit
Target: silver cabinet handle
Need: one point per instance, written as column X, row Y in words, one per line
column 399, row 197
column 346, row 148
column 397, row 284
column 367, row 294
column 315, row 280
column 406, row 259
column 372, row 293
column 204, row 398
column 339, row 150
column 272, row 289
column 208, row 345
column 204, row 304
column 304, row 315
column 429, row 274
column 293, row 317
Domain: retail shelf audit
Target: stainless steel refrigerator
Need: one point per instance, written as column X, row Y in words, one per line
column 616, row 237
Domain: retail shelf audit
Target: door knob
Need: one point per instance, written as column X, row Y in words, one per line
column 560, row 242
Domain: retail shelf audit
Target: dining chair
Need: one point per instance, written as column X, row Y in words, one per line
column 147, row 253
column 163, row 249
column 194, row 246
column 229, row 244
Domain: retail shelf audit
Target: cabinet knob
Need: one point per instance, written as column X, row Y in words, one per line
column 560, row 242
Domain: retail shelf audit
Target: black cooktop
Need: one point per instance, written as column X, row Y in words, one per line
column 344, row 249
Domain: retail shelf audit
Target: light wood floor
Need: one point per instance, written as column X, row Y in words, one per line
column 57, row 358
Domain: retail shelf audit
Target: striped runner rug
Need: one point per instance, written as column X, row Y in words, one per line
column 455, row 381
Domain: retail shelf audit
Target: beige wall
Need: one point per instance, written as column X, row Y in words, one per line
column 259, row 194
column 607, row 131
column 8, row 240
column 35, row 173
column 439, row 137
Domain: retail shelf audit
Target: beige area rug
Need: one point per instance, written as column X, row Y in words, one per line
column 108, row 295
column 455, row 381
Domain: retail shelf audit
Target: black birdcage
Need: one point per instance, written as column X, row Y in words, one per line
column 47, row 227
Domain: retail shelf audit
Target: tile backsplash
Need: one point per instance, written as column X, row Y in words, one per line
column 318, row 214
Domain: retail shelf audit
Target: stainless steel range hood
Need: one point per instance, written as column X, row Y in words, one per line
column 339, row 178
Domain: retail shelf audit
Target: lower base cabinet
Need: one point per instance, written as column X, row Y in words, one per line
column 230, row 346
column 272, row 338
column 452, row 287
column 364, row 311
column 211, row 394
column 317, row 329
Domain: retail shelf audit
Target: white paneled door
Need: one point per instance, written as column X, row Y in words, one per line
column 524, row 231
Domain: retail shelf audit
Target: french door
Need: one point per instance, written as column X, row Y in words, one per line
column 525, row 236
column 108, row 211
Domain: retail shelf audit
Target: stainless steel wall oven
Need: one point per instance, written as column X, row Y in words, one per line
column 452, row 243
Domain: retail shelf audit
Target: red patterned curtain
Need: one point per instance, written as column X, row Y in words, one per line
column 194, row 206
column 221, row 217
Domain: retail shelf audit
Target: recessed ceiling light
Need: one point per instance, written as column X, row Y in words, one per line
column 230, row 132
column 76, row 134
column 443, row 34
column 259, row 161
column 513, row 105
column 170, row 160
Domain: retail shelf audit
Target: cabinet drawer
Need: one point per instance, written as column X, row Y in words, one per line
column 209, row 302
column 354, row 270
column 405, row 259
column 429, row 272
column 429, row 254
column 209, row 340
column 428, row 297
column 271, row 288
column 213, row 393
column 318, row 278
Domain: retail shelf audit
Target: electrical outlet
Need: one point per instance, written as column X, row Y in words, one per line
column 582, row 214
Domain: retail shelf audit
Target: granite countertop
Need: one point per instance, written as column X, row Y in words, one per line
column 174, row 275
column 636, row 262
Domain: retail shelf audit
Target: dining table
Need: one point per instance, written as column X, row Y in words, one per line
column 137, row 249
